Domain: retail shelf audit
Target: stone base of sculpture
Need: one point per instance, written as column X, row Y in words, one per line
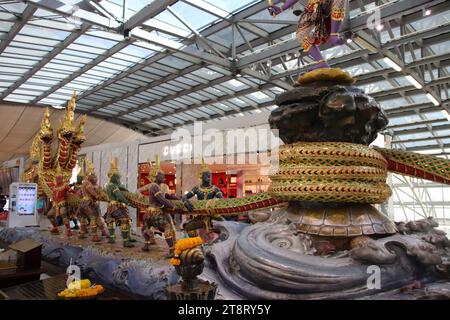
column 273, row 260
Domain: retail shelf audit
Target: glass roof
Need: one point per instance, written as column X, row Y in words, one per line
column 211, row 59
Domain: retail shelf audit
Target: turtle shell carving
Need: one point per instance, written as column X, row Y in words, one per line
column 341, row 221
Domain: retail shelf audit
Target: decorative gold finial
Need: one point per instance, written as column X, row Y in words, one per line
column 72, row 102
column 89, row 168
column 204, row 168
column 82, row 123
column 67, row 124
column 35, row 150
column 79, row 135
column 45, row 134
column 46, row 129
column 155, row 169
column 46, row 119
column 114, row 167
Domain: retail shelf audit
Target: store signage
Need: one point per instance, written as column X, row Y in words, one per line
column 255, row 145
column 176, row 150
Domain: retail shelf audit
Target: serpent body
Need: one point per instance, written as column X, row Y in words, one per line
column 330, row 172
column 321, row 172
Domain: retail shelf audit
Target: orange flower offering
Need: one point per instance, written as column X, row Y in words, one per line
column 83, row 292
column 175, row 261
column 182, row 245
column 187, row 243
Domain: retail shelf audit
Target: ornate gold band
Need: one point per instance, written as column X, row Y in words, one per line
column 117, row 203
column 338, row 172
column 60, row 204
column 330, row 172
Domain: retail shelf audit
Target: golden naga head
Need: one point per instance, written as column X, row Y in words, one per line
column 35, row 150
column 66, row 128
column 155, row 169
column 44, row 135
column 72, row 102
column 79, row 133
column 46, row 130
column 114, row 168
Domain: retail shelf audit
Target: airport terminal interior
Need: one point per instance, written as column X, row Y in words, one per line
column 224, row 149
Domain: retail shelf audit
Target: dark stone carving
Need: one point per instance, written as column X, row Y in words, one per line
column 336, row 113
column 271, row 260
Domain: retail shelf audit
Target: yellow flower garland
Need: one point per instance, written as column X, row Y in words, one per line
column 182, row 245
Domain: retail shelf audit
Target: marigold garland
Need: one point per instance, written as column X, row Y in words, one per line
column 182, row 245
column 92, row 291
column 175, row 261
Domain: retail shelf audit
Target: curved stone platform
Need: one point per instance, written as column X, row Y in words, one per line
column 142, row 274
column 272, row 260
column 268, row 260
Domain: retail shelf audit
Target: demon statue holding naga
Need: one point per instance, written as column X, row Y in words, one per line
column 55, row 170
column 157, row 215
column 205, row 191
column 117, row 207
column 89, row 209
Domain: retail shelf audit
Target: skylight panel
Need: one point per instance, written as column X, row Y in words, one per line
column 233, row 83
column 196, row 17
column 168, row 28
column 95, row 42
column 259, row 96
column 209, row 7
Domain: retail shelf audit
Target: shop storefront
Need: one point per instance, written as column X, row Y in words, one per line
column 237, row 172
column 235, row 181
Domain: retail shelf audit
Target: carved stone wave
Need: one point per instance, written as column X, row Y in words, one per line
column 271, row 260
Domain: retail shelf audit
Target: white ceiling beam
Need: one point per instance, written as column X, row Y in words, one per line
column 207, row 32
column 387, row 12
column 64, row 9
column 146, row 13
column 46, row 59
column 119, row 46
column 209, row 8
column 16, row 27
column 197, row 34
column 143, row 35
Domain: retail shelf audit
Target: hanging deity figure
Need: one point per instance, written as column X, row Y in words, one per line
column 205, row 191
column 117, row 210
column 319, row 23
column 59, row 190
column 157, row 216
column 89, row 209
